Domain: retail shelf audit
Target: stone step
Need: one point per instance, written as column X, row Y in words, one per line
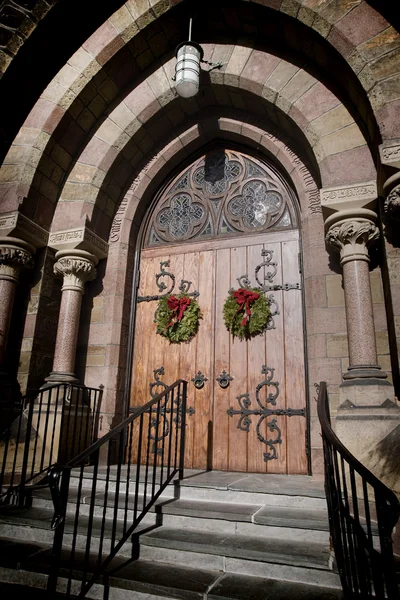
column 15, row 522
column 295, row 553
column 218, row 516
column 27, row 564
column 221, row 486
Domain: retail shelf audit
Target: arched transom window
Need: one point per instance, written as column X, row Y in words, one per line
column 225, row 192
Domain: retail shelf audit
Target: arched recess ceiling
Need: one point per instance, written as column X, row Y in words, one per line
column 75, row 103
column 360, row 34
column 290, row 102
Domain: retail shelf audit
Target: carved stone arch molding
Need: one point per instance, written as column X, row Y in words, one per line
column 135, row 212
column 224, row 192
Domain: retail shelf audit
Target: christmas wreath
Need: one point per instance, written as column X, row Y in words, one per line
column 177, row 318
column 246, row 312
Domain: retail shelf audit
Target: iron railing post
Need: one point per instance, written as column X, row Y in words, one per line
column 110, row 498
column 183, row 398
column 59, row 526
column 22, row 483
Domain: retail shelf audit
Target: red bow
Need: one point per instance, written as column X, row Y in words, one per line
column 245, row 298
column 178, row 306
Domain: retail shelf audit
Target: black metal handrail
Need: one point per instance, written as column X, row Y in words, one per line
column 130, row 467
column 363, row 512
column 54, row 424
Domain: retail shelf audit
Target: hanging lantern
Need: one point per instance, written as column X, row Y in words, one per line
column 187, row 69
column 189, row 55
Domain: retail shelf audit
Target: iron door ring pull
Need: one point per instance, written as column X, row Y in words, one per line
column 224, row 379
column 199, row 380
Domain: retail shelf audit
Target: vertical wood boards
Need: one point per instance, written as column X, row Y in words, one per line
column 221, row 397
column 294, row 362
column 213, row 439
column 256, row 357
column 275, row 359
column 237, row 368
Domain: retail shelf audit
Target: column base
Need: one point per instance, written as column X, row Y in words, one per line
column 364, row 372
column 60, row 377
column 367, row 422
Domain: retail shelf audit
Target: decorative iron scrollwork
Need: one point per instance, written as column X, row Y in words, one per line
column 224, row 379
column 165, row 289
column 199, row 380
column 164, row 410
column 264, row 412
column 268, row 262
column 270, row 270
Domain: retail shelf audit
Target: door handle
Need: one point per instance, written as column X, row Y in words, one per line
column 224, row 379
column 199, row 380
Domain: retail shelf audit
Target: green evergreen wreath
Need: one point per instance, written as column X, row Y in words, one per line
column 170, row 326
column 246, row 319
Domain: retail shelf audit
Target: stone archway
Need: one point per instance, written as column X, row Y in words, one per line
column 226, row 221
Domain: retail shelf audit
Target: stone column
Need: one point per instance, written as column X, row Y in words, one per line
column 76, row 267
column 367, row 415
column 352, row 236
column 15, row 254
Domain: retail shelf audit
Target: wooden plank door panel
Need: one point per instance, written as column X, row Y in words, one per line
column 203, row 362
column 213, row 439
column 237, row 368
column 275, row 359
column 256, row 358
column 294, row 361
column 221, row 398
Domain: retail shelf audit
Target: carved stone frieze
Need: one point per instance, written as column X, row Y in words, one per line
column 76, row 269
column 12, row 259
column 17, row 225
column 390, row 153
column 358, row 195
column 352, row 237
column 79, row 238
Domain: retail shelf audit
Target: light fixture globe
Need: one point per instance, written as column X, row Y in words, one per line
column 187, row 69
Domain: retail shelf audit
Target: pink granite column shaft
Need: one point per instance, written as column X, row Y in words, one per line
column 7, row 294
column 67, row 332
column 76, row 267
column 15, row 254
column 359, row 313
column 351, row 235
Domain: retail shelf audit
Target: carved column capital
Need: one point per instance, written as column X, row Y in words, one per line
column 391, row 191
column 392, row 204
column 352, row 234
column 15, row 254
column 76, row 267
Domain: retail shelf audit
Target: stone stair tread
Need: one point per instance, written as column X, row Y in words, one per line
column 155, row 578
column 32, row 517
column 272, row 550
column 17, row 553
column 180, row 582
column 281, row 516
column 286, row 485
column 263, row 515
column 243, row 587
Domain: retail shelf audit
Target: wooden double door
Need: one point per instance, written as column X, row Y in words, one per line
column 216, row 436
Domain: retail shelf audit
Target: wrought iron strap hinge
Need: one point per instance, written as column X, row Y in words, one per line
column 284, row 286
column 165, row 289
column 263, row 412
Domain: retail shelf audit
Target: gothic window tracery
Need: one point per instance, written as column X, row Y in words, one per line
column 224, row 192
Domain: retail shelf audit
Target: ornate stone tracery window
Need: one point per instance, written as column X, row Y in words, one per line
column 224, row 192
